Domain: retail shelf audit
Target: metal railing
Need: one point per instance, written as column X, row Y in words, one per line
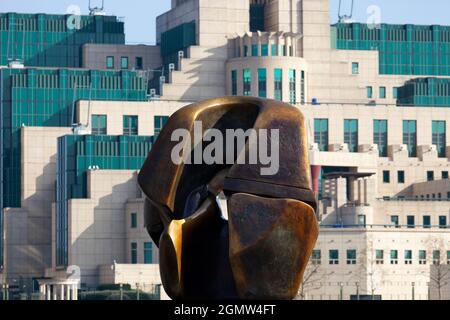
column 383, row 226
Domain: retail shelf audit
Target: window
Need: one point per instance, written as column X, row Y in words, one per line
column 444, row 175
column 410, row 222
column 139, row 63
column 380, row 136
column 109, row 62
column 247, row 77
column 362, row 220
column 386, row 176
column 133, row 220
column 264, row 50
column 351, row 256
column 436, row 257
column 439, row 137
column 262, row 83
column 430, row 175
column 292, row 86
column 379, row 257
column 160, row 122
column 148, row 253
column 234, row 83
column 133, row 253
column 422, row 257
column 395, row 221
column 408, row 257
column 410, row 136
column 448, row 257
column 99, row 126
column 274, row 50
column 245, row 51
column 278, row 84
column 395, row 92
column 394, row 257
column 124, row 63
column 334, row 256
column 401, row 176
column 321, row 133
column 442, row 222
column 130, row 125
column 302, row 87
column 382, row 92
column 316, row 257
column 283, row 50
column 351, row 134
column 254, row 50
column 355, row 68
column 427, row 222
column 369, row 92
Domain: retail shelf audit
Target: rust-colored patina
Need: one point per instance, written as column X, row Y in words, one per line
column 259, row 247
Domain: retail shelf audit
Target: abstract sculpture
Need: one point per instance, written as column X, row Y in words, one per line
column 224, row 229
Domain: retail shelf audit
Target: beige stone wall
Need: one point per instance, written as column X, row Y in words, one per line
column 139, row 234
column 146, row 275
column 97, row 225
column 415, row 168
column 432, row 189
column 392, row 281
column 94, row 56
column 115, row 110
column 270, row 64
column 27, row 237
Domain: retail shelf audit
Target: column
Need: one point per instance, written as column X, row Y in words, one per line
column 68, row 292
column 47, row 292
column 54, row 293
column 366, row 191
column 62, row 292
column 74, row 292
column 351, row 187
column 315, row 175
column 360, row 192
column 41, row 292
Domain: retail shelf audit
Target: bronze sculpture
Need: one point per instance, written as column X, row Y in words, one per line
column 257, row 242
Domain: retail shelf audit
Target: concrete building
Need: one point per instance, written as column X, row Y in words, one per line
column 379, row 146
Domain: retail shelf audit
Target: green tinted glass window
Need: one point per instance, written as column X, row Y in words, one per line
column 351, row 134
column 99, row 125
column 234, row 85
column 380, row 136
column 124, row 63
column 439, row 133
column 278, row 84
column 247, row 82
column 148, row 253
column 160, row 122
column 262, row 83
column 410, row 136
column 264, row 50
column 134, row 253
column 110, row 62
column 130, row 125
column 292, row 86
column 133, row 220
column 274, row 50
column 321, row 133
column 139, row 64
column 254, row 50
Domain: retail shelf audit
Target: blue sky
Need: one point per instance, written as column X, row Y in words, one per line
column 140, row 14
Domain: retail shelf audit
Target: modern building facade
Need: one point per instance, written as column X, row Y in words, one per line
column 377, row 125
column 42, row 40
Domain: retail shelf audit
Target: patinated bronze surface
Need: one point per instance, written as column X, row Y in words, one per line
column 259, row 247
